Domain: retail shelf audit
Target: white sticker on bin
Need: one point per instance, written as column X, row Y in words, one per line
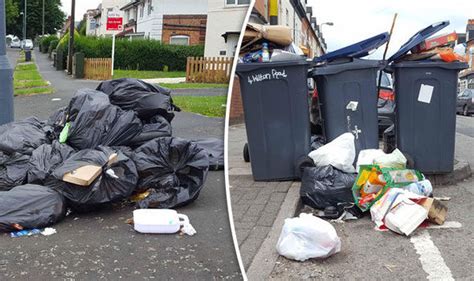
column 352, row 105
column 425, row 94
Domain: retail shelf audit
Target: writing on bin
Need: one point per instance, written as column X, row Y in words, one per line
column 273, row 75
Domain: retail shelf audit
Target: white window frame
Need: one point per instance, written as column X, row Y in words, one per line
column 236, row 3
column 180, row 37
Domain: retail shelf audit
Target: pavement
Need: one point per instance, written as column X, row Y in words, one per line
column 436, row 254
column 101, row 245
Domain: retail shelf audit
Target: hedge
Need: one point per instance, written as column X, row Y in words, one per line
column 141, row 54
column 45, row 42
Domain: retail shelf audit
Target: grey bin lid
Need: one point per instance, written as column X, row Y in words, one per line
column 249, row 67
column 429, row 63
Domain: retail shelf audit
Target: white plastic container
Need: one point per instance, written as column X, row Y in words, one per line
column 158, row 221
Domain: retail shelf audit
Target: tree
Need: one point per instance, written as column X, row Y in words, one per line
column 54, row 17
column 12, row 11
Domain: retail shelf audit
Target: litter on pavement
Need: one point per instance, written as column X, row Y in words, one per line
column 307, row 237
column 108, row 145
column 164, row 221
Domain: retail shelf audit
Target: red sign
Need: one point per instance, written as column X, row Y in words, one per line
column 114, row 22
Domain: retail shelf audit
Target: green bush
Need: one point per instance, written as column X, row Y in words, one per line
column 135, row 54
column 45, row 42
column 52, row 46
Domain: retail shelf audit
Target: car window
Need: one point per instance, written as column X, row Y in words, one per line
column 385, row 82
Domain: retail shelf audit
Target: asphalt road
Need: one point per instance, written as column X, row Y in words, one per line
column 433, row 254
column 101, row 245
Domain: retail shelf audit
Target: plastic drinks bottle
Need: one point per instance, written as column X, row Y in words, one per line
column 265, row 53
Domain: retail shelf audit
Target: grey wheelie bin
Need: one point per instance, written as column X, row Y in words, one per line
column 275, row 101
column 347, row 88
column 425, row 96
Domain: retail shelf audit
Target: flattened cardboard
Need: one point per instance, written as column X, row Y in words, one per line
column 87, row 174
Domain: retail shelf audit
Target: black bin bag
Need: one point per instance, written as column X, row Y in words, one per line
column 215, row 150
column 326, row 186
column 146, row 99
column 174, row 169
column 30, row 206
column 156, row 127
column 22, row 136
column 13, row 170
column 94, row 121
column 116, row 182
column 45, row 159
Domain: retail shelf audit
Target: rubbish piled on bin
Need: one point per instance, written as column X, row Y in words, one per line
column 265, row 43
column 339, row 153
column 307, row 237
column 101, row 148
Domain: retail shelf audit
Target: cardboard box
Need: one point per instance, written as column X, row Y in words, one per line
column 405, row 217
column 437, row 211
column 278, row 34
column 434, row 42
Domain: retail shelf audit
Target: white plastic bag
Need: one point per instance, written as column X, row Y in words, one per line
column 308, row 237
column 367, row 156
column 340, row 153
column 396, row 159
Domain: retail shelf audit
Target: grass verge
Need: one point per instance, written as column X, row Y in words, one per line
column 28, row 81
column 212, row 106
column 147, row 74
column 193, row 85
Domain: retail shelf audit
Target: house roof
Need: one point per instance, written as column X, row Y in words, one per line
column 130, row 5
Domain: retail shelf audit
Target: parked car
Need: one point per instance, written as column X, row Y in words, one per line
column 15, row 43
column 386, row 103
column 27, row 44
column 465, row 102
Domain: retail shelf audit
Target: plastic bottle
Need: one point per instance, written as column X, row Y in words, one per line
column 265, row 53
column 423, row 188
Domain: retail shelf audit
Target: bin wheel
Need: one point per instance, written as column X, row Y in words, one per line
column 246, row 153
column 301, row 163
column 410, row 161
column 465, row 111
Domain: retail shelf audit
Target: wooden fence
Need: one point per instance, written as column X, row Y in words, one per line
column 208, row 70
column 98, row 68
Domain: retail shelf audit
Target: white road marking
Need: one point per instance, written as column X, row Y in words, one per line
column 446, row 224
column 430, row 257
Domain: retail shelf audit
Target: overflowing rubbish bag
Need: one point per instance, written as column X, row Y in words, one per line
column 326, row 186
column 45, row 159
column 13, row 170
column 146, row 99
column 93, row 121
column 215, row 150
column 116, row 181
column 307, row 237
column 30, row 206
column 22, row 136
column 339, row 153
column 173, row 168
column 156, row 127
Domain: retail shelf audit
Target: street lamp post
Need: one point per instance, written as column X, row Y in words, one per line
column 325, row 23
column 42, row 30
column 6, row 73
column 71, row 38
column 24, row 22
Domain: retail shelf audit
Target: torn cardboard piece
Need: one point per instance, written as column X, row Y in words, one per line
column 437, row 211
column 86, row 175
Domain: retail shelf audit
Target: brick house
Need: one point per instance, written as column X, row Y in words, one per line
column 467, row 76
column 173, row 22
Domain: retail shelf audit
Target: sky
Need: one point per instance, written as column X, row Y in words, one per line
column 358, row 20
column 81, row 7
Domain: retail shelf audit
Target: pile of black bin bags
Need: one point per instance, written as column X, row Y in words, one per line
column 127, row 117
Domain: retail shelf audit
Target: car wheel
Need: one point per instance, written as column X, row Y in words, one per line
column 465, row 112
column 246, row 153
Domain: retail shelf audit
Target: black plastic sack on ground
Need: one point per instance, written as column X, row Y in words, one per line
column 215, row 150
column 45, row 159
column 13, row 170
column 116, row 182
column 94, row 121
column 56, row 122
column 22, row 136
column 30, row 206
column 175, row 168
column 316, row 142
column 326, row 186
column 157, row 127
column 146, row 99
